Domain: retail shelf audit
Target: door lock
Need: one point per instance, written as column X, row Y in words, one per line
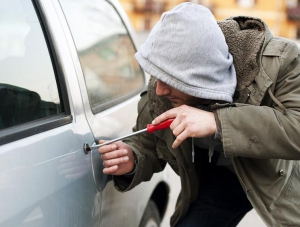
column 86, row 148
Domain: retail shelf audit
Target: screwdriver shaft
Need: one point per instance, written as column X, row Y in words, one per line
column 150, row 128
column 120, row 138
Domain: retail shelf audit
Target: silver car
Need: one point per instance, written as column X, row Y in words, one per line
column 68, row 77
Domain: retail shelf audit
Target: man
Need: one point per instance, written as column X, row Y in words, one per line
column 234, row 93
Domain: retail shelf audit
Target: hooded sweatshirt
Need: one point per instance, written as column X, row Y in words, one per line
column 187, row 50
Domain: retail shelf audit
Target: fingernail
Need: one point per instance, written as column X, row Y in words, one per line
column 114, row 146
column 126, row 158
column 125, row 151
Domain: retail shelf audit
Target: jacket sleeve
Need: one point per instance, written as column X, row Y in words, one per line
column 144, row 147
column 265, row 131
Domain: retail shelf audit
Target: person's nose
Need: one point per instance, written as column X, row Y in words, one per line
column 162, row 88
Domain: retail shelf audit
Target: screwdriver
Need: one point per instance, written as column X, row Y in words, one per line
column 150, row 129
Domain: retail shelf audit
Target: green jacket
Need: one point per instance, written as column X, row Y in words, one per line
column 260, row 130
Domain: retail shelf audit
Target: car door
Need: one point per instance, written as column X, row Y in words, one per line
column 45, row 177
column 108, row 73
column 110, row 80
column 100, row 43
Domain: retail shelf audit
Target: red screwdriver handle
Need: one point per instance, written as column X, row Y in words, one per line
column 165, row 124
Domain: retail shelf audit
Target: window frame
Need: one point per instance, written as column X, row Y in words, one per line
column 41, row 125
column 118, row 100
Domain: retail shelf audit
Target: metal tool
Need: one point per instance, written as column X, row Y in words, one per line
column 150, row 129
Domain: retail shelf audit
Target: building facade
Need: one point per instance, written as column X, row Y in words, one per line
column 281, row 16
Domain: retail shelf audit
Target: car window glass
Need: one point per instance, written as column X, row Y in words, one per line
column 28, row 89
column 105, row 51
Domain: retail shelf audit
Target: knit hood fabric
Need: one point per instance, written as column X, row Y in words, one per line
column 187, row 50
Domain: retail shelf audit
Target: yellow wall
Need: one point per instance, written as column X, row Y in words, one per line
column 271, row 11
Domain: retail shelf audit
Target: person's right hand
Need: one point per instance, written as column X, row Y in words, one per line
column 118, row 158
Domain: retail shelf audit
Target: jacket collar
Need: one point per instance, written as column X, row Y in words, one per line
column 245, row 37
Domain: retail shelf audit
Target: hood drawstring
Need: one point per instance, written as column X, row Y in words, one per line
column 193, row 150
column 211, row 148
column 277, row 102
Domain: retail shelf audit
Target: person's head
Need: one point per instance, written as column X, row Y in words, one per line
column 187, row 51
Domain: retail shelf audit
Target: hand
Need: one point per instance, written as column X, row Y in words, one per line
column 117, row 158
column 188, row 122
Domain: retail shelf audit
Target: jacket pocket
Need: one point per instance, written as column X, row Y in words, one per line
column 286, row 208
column 292, row 190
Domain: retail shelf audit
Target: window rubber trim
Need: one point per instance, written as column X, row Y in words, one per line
column 41, row 125
column 31, row 128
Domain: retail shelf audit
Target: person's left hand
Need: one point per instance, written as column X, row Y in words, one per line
column 188, row 122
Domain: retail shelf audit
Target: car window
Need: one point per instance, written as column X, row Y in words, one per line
column 105, row 50
column 28, row 88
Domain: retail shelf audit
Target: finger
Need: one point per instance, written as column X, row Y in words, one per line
column 114, row 154
column 177, row 129
column 179, row 139
column 115, row 161
column 110, row 170
column 182, row 125
column 165, row 116
column 107, row 148
column 176, row 123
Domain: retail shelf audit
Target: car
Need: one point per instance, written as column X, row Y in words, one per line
column 69, row 78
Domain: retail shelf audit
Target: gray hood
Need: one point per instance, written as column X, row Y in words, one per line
column 187, row 50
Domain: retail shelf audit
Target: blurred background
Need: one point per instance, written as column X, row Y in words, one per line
column 282, row 16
